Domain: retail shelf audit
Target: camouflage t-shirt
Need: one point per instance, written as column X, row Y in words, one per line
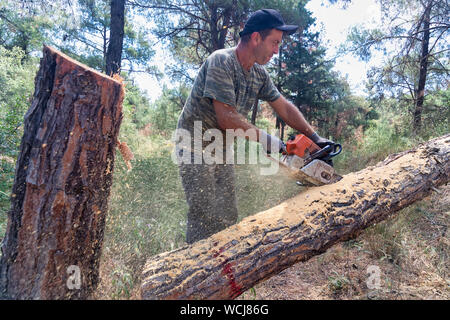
column 222, row 78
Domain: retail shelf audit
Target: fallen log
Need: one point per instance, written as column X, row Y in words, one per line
column 63, row 176
column 230, row 262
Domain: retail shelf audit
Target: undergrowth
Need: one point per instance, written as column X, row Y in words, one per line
column 147, row 206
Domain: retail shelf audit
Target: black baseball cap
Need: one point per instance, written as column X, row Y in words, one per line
column 266, row 19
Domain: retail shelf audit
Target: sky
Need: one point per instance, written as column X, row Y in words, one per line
column 335, row 23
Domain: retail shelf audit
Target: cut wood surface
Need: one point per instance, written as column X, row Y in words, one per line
column 63, row 176
column 230, row 262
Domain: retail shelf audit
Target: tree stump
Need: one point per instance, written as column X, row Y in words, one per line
column 230, row 262
column 63, row 177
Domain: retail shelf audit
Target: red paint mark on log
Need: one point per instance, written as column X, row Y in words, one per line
column 227, row 270
column 236, row 290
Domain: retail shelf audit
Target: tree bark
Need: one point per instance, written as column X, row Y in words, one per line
column 420, row 93
column 254, row 111
column 62, row 183
column 230, row 262
column 115, row 46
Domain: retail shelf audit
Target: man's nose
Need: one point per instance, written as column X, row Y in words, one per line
column 275, row 49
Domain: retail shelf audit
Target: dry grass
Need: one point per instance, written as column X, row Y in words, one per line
column 411, row 249
column 146, row 217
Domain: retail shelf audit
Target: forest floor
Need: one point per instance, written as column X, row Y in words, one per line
column 408, row 253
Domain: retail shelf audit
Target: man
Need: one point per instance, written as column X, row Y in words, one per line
column 224, row 91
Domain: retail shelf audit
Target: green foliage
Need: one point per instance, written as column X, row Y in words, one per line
column 264, row 124
column 389, row 133
column 167, row 108
column 144, row 123
column 362, row 41
column 305, row 76
column 85, row 37
column 414, row 41
column 122, row 282
column 136, row 105
column 6, row 182
column 191, row 35
column 436, row 114
column 147, row 205
column 16, row 80
column 24, row 27
column 338, row 282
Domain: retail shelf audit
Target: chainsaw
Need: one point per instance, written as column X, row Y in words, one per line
column 308, row 163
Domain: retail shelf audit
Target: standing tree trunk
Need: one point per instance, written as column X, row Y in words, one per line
column 231, row 261
column 254, row 111
column 115, row 46
column 420, row 94
column 63, row 177
column 280, row 124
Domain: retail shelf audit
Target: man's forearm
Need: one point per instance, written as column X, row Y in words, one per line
column 292, row 116
column 229, row 118
column 297, row 121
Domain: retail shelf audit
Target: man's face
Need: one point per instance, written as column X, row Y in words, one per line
column 267, row 48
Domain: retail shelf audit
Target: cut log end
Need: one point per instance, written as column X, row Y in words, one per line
column 64, row 61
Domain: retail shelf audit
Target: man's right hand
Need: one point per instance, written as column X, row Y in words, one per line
column 321, row 142
column 271, row 143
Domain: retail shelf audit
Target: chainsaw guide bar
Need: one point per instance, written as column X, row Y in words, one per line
column 315, row 173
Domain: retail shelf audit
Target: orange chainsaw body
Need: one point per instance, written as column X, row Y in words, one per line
column 301, row 146
column 308, row 163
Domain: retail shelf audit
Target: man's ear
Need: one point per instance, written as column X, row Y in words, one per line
column 255, row 38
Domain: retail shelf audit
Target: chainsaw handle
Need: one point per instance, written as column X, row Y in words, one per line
column 327, row 152
column 335, row 152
